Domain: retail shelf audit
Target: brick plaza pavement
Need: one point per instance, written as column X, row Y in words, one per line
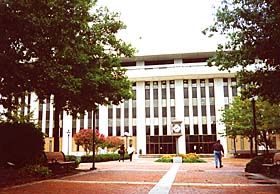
column 142, row 175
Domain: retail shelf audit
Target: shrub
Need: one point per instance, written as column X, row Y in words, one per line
column 37, row 170
column 186, row 158
column 255, row 165
column 102, row 157
column 21, row 144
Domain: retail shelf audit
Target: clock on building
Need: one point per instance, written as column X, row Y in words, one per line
column 176, row 128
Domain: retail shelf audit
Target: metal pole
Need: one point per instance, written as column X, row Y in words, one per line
column 255, row 125
column 93, row 141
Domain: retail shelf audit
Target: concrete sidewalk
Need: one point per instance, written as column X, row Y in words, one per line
column 143, row 175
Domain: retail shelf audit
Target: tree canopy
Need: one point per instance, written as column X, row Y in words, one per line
column 238, row 119
column 252, row 28
column 68, row 49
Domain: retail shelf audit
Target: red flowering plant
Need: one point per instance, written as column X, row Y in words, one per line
column 84, row 138
column 113, row 142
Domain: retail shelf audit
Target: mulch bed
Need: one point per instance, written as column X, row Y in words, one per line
column 11, row 176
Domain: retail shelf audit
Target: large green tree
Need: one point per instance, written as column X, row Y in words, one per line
column 68, row 49
column 252, row 28
column 238, row 119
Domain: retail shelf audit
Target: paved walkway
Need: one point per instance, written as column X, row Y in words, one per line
column 142, row 175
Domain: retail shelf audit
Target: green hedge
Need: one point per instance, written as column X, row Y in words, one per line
column 102, row 157
column 255, row 165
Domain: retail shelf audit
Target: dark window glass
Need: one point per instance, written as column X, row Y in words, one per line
column 164, row 130
column 187, row 129
column 118, row 111
column 148, row 131
column 172, row 109
column 147, row 94
column 172, row 93
column 195, row 127
column 194, row 92
column 213, row 128
column 234, row 91
column 134, row 112
column 204, row 129
column 110, row 113
column 202, row 91
column 155, row 93
column 125, row 112
column 118, row 128
column 155, row 111
column 203, row 110
column 212, row 110
column 163, row 93
column 164, row 112
column 134, row 131
column 211, row 91
column 156, row 130
column 195, row 113
column 147, row 109
column 186, row 93
column 186, row 111
column 110, row 131
column 225, row 91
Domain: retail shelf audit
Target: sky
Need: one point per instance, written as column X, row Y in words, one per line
column 166, row 26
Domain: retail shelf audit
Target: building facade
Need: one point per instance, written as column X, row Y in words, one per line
column 167, row 87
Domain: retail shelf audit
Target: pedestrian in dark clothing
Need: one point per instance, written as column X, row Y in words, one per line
column 218, row 152
column 121, row 152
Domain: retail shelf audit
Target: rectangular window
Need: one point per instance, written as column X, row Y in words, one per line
column 118, row 128
column 212, row 110
column 203, row 110
column 147, row 110
column 195, row 127
column 204, row 129
column 163, row 89
column 164, row 112
column 203, row 93
column 186, row 111
column 164, row 130
column 110, row 131
column 194, row 92
column 134, row 112
column 172, row 109
column 126, row 112
column 148, row 130
column 155, row 111
column 118, row 111
column 134, row 131
column 172, row 93
column 156, row 130
column 110, row 113
column 195, row 112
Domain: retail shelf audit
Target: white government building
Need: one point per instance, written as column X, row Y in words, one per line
column 167, row 87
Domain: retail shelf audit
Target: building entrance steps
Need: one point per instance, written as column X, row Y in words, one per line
column 143, row 175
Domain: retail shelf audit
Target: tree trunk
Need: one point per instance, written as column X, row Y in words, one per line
column 251, row 146
column 234, row 145
column 57, row 109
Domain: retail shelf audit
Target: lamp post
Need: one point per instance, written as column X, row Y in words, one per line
column 126, row 134
column 253, row 100
column 68, row 134
column 93, row 140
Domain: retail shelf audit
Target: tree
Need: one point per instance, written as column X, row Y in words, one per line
column 62, row 48
column 252, row 28
column 238, row 119
column 84, row 138
column 112, row 142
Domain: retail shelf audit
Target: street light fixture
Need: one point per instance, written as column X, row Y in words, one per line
column 253, row 100
column 68, row 134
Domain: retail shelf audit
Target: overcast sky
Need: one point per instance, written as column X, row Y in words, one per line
column 166, row 26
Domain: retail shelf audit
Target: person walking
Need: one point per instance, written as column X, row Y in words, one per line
column 130, row 151
column 218, row 152
column 121, row 152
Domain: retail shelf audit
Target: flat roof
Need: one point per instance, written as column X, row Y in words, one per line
column 159, row 57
